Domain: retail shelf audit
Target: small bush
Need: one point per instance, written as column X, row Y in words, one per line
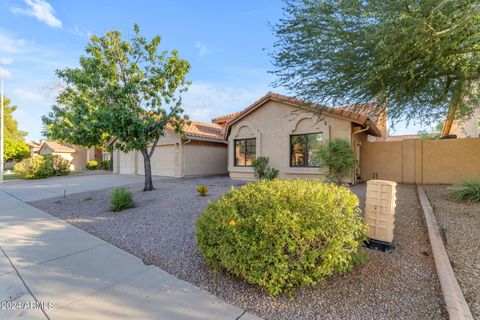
column 105, row 165
column 261, row 169
column 338, row 156
column 36, row 167
column 60, row 166
column 281, row 234
column 92, row 165
column 121, row 199
column 468, row 191
column 202, row 190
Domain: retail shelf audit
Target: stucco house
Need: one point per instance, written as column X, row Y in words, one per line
column 78, row 156
column 288, row 132
column 201, row 151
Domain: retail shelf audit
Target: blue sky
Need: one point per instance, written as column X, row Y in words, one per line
column 226, row 42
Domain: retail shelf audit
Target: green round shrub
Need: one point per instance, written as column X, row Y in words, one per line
column 36, row 167
column 105, row 165
column 280, row 234
column 121, row 199
column 60, row 166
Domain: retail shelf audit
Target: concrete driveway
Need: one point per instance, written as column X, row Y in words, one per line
column 30, row 190
column 52, row 270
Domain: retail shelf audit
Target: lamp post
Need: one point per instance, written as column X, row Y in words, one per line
column 2, row 144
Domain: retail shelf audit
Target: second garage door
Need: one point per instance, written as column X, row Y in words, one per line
column 164, row 161
column 126, row 162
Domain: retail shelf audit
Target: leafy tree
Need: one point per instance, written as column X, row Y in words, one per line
column 15, row 147
column 337, row 156
column 125, row 89
column 11, row 125
column 422, row 56
column 15, row 150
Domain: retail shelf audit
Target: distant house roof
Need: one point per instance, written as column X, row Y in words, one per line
column 403, row 137
column 32, row 144
column 58, row 147
column 355, row 113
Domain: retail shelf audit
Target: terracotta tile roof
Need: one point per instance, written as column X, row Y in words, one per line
column 225, row 118
column 196, row 130
column 344, row 112
column 58, row 147
column 403, row 137
column 367, row 110
column 208, row 131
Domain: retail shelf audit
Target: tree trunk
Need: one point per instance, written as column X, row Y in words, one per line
column 148, row 171
column 457, row 96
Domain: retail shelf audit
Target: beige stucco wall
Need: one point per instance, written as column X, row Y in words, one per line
column 176, row 158
column 271, row 125
column 421, row 161
column 205, row 158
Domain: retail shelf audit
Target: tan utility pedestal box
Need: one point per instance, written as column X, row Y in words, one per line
column 380, row 209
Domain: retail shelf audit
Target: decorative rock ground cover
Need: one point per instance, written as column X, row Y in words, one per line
column 460, row 226
column 161, row 229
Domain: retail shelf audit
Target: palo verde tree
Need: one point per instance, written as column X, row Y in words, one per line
column 420, row 56
column 123, row 89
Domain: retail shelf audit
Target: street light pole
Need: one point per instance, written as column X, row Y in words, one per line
column 2, row 144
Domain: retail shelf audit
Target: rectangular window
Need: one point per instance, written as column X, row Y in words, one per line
column 245, row 151
column 304, row 149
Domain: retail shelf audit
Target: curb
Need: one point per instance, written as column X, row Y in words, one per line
column 457, row 307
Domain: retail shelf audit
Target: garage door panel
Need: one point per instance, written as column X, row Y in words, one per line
column 163, row 161
column 127, row 163
column 140, row 166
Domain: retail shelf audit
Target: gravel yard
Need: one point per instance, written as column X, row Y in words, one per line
column 461, row 226
column 160, row 230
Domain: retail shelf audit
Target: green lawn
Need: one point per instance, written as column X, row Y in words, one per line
column 7, row 177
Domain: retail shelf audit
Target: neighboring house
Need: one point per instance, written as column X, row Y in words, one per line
column 33, row 146
column 469, row 128
column 78, row 156
column 286, row 131
column 201, row 151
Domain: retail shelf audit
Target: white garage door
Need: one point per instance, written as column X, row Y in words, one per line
column 164, row 161
column 127, row 163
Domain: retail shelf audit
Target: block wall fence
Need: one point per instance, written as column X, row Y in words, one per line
column 421, row 161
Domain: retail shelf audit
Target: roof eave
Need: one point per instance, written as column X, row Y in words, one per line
column 196, row 138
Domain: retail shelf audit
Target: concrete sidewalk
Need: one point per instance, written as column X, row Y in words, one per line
column 74, row 275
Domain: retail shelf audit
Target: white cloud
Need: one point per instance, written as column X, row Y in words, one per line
column 40, row 9
column 5, row 60
column 204, row 101
column 25, row 95
column 202, row 49
column 4, row 73
column 11, row 44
